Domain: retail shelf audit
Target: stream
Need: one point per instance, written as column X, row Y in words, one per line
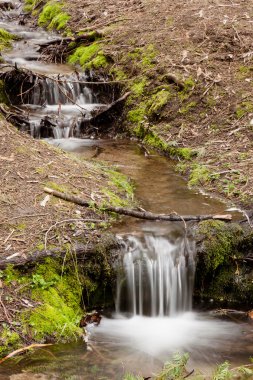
column 153, row 317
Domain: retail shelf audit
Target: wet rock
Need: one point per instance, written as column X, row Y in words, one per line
column 91, row 318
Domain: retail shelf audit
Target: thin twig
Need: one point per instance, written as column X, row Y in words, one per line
column 23, row 349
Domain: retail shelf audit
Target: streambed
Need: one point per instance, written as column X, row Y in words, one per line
column 131, row 341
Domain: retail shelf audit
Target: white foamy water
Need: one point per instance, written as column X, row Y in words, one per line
column 163, row 336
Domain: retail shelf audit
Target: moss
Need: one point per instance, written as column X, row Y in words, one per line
column 57, row 289
column 137, row 115
column 187, row 107
column 30, row 5
column 88, row 56
column 189, row 85
column 53, row 16
column 60, row 21
column 113, row 199
column 158, row 101
column 120, row 191
column 148, row 56
column 220, row 240
column 9, row 274
column 121, row 182
column 144, row 56
column 55, row 318
column 5, row 39
column 8, row 340
column 199, row 175
column 21, row 226
column 118, row 74
column 244, row 72
column 153, row 140
column 100, row 61
column 219, row 275
column 58, row 187
column 243, row 109
column 138, row 87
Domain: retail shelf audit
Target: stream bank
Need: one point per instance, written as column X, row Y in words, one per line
column 76, row 241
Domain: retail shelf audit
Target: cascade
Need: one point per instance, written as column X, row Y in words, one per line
column 155, row 275
column 57, row 107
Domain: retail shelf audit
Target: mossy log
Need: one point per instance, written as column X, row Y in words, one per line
column 82, row 254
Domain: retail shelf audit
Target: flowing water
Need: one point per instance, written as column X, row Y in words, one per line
column 153, row 315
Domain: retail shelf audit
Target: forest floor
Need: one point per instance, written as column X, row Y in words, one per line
column 33, row 221
column 207, row 45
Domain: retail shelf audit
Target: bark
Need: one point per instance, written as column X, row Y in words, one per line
column 138, row 214
column 88, row 37
column 82, row 253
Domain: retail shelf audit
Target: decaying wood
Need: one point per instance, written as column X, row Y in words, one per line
column 138, row 214
column 15, row 117
column 23, row 349
column 87, row 37
column 82, row 253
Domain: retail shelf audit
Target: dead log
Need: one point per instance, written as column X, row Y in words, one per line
column 138, row 214
column 17, row 118
column 82, row 253
column 87, row 37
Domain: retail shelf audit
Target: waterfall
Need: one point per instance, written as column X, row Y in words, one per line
column 58, row 106
column 155, row 276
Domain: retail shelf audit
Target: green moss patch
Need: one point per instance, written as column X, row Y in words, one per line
column 158, row 102
column 199, row 175
column 9, row 340
column 53, row 16
column 5, row 39
column 152, row 139
column 90, row 56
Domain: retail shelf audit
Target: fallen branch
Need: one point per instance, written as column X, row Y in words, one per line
column 137, row 214
column 23, row 349
column 87, row 37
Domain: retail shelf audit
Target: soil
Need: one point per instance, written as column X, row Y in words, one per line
column 27, row 165
column 209, row 41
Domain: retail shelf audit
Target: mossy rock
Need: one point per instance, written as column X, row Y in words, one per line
column 61, row 291
column 220, row 241
column 221, row 274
